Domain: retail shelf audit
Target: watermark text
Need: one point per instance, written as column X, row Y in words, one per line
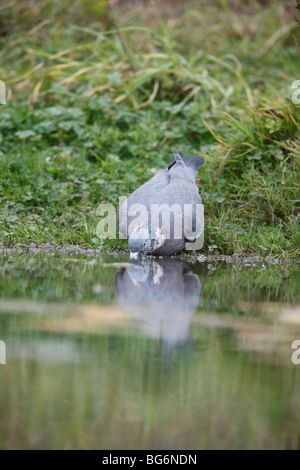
column 295, row 97
column 296, row 354
column 2, row 92
column 175, row 222
column 2, row 352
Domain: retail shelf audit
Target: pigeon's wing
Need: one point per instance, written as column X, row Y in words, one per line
column 155, row 184
column 193, row 215
column 182, row 197
column 141, row 195
column 186, row 191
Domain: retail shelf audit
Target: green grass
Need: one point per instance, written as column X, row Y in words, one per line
column 97, row 96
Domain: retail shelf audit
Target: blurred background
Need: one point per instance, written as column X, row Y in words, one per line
column 99, row 91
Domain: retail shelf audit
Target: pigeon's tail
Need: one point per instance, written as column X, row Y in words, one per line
column 178, row 158
column 194, row 162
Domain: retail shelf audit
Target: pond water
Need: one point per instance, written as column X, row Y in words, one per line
column 103, row 353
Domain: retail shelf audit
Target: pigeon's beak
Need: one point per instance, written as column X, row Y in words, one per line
column 134, row 255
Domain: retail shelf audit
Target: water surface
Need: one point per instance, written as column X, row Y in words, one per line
column 103, row 353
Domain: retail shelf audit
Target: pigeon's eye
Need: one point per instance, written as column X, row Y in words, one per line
column 144, row 243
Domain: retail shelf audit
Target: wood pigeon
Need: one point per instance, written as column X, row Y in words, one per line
column 162, row 215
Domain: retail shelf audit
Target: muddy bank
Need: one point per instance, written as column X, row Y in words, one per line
column 246, row 260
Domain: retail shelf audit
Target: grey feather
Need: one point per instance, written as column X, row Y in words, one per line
column 178, row 158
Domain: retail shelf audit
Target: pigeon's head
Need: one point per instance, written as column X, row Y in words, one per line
column 146, row 239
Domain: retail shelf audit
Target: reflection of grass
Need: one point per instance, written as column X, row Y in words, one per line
column 78, row 374
column 98, row 97
column 83, row 279
column 123, row 394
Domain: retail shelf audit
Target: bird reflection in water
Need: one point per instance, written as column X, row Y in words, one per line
column 163, row 294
